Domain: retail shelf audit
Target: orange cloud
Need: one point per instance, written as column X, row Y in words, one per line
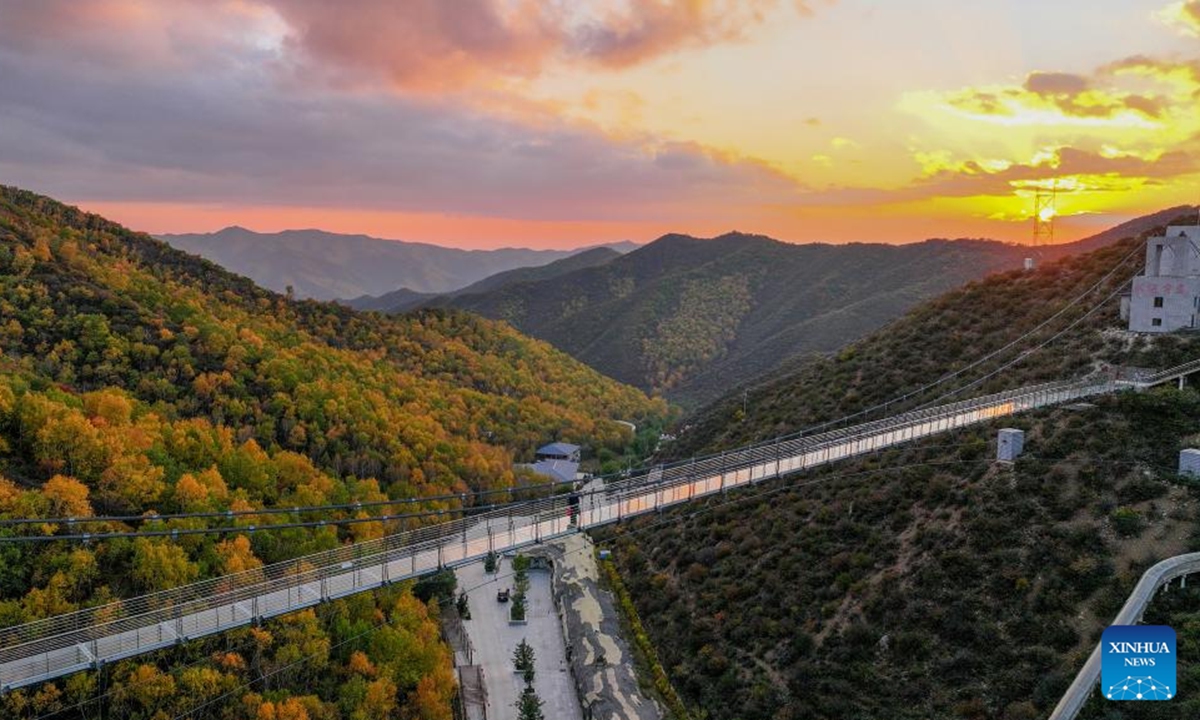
column 434, row 45
column 1183, row 16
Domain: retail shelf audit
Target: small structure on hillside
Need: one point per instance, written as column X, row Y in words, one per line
column 1189, row 462
column 1010, row 443
column 1166, row 297
column 558, row 461
column 558, row 451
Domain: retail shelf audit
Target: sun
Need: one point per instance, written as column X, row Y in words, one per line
column 1046, row 214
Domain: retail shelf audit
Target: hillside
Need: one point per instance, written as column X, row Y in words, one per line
column 326, row 266
column 404, row 299
column 1137, row 227
column 136, row 378
column 938, row 337
column 949, row 585
column 689, row 317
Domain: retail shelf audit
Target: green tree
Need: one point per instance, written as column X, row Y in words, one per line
column 529, row 706
column 523, row 660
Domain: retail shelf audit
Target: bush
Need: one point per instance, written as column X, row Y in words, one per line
column 1127, row 521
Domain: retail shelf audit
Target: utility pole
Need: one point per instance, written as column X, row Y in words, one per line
column 1044, row 212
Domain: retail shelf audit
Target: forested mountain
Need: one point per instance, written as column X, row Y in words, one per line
column 405, row 299
column 951, row 586
column 326, row 266
column 689, row 317
column 138, row 379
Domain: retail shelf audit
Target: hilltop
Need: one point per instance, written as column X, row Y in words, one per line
column 326, row 266
column 953, row 587
column 689, row 317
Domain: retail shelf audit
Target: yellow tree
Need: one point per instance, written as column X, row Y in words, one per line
column 158, row 565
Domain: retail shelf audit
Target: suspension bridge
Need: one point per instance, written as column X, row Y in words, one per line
column 87, row 639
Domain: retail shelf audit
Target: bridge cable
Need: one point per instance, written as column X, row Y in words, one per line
column 950, row 376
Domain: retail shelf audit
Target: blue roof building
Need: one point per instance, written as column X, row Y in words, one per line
column 558, row 451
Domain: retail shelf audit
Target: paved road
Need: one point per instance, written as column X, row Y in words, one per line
column 494, row 641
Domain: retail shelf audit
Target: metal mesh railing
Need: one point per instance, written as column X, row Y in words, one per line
column 71, row 641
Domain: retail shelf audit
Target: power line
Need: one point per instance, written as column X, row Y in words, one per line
column 950, row 376
column 179, row 532
column 711, row 503
column 1040, row 346
column 150, row 517
column 728, row 500
column 550, row 486
column 243, row 529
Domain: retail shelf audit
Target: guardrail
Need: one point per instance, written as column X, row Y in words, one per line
column 48, row 648
column 1131, row 613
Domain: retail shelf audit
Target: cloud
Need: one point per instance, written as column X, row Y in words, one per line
column 234, row 134
column 1056, row 83
column 1053, row 99
column 431, row 46
column 1184, row 16
column 1072, row 169
column 440, row 45
column 655, row 27
column 1182, row 76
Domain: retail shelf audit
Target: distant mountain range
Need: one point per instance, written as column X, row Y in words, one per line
column 405, row 299
column 689, row 317
column 326, row 266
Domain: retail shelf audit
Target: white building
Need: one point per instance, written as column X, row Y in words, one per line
column 1167, row 296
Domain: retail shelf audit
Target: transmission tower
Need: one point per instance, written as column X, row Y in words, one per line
column 1044, row 211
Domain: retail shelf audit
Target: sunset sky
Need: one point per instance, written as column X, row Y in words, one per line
column 482, row 123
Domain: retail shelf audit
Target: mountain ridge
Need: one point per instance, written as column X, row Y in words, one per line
column 327, row 266
column 749, row 300
column 405, row 299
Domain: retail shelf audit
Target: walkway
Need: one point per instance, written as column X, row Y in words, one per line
column 494, row 641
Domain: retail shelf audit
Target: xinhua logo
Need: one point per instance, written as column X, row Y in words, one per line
column 1138, row 662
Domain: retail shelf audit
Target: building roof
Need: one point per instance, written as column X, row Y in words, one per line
column 558, row 448
column 559, row 470
column 1190, row 231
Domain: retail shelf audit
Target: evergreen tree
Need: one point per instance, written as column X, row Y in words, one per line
column 529, row 706
column 523, row 659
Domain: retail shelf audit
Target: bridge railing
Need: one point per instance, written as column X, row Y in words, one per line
column 1180, row 370
column 526, row 519
column 1131, row 613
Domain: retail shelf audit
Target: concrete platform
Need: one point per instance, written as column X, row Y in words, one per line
column 494, row 641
